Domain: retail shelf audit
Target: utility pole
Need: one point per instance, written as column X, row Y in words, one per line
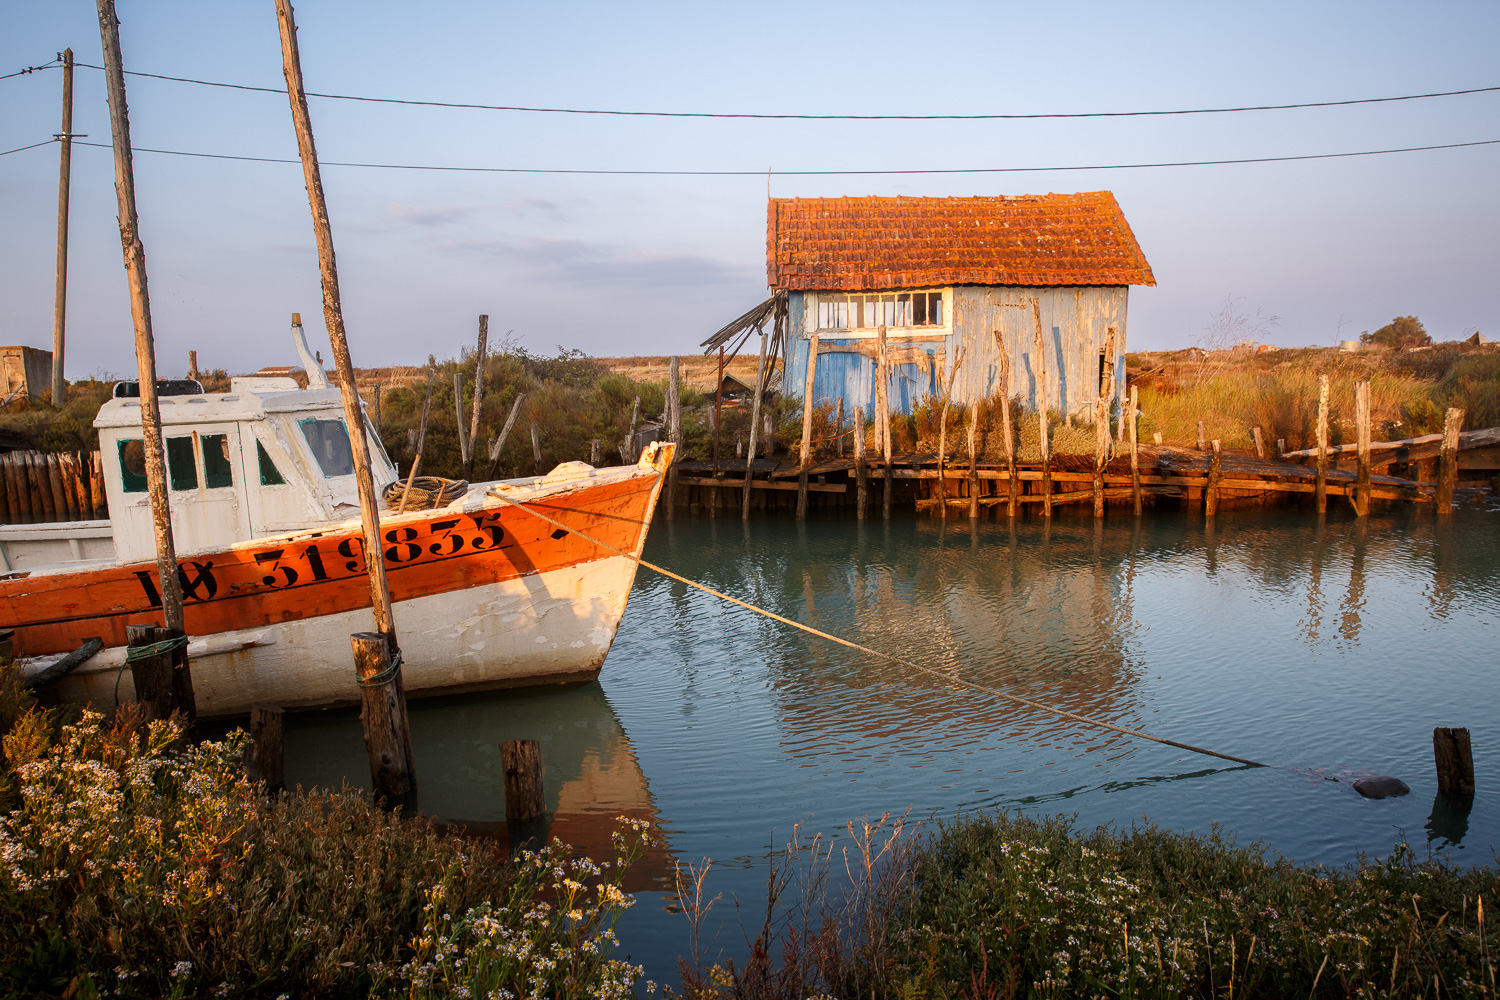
column 333, row 317
column 65, row 167
column 140, row 314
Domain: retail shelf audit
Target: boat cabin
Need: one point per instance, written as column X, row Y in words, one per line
column 265, row 458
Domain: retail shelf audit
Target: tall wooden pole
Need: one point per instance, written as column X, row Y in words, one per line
column 974, row 459
column 1448, row 468
column 1135, row 458
column 1101, row 420
column 1320, row 490
column 479, row 354
column 760, row 379
column 861, row 477
column 60, row 296
column 140, row 314
column 674, row 429
column 883, row 414
column 333, row 317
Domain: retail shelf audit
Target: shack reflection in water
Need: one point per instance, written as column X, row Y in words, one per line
column 591, row 772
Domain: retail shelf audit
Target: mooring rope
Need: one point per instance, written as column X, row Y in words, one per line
column 1008, row 696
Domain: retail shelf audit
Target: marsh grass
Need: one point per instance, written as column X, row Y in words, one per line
column 999, row 906
column 131, row 867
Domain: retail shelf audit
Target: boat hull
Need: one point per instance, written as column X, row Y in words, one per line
column 484, row 594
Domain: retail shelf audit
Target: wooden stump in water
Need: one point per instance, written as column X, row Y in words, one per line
column 162, row 682
column 267, row 754
column 1455, row 761
column 1448, row 468
column 525, row 795
column 383, row 717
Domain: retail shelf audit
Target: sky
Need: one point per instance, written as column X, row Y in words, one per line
column 618, row 265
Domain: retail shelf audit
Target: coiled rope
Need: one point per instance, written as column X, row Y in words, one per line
column 378, row 680
column 426, row 493
column 960, row 682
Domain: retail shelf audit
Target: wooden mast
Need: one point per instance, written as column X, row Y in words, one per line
column 333, row 317
column 140, row 314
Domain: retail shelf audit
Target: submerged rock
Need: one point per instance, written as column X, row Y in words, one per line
column 1383, row 787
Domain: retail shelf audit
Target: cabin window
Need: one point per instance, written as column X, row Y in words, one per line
column 269, row 474
column 329, row 441
column 217, row 470
column 866, row 312
column 182, row 467
column 133, row 466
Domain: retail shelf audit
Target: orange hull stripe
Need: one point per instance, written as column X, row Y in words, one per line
column 324, row 573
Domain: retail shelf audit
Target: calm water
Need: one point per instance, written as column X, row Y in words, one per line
column 1332, row 649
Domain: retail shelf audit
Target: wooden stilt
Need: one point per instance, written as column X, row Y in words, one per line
column 1101, row 419
column 267, row 747
column 1039, row 362
column 1320, row 490
column 525, row 793
column 1135, row 458
column 1448, row 468
column 383, row 717
column 974, row 459
column 1215, row 473
column 883, row 414
column 861, row 473
column 760, row 382
column 674, row 428
column 942, row 487
column 807, row 415
column 1362, row 436
column 152, row 674
column 1012, row 486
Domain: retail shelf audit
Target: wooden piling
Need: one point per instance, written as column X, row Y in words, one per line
column 1448, row 461
column 1039, row 363
column 152, row 675
column 55, row 485
column 1202, row 438
column 1280, row 447
column 861, row 472
column 1215, row 473
column 465, row 444
column 883, row 414
column 1455, row 761
column 96, row 485
column 674, row 428
column 942, row 482
column 838, row 428
column 1260, row 447
column 974, row 459
column 383, row 717
column 193, row 365
column 807, row 413
column 267, row 747
column 1101, row 419
column 1012, row 486
column 627, row 449
column 760, row 381
column 1362, row 436
column 1135, row 458
column 481, row 348
column 525, row 795
column 1320, row 490
column 499, row 442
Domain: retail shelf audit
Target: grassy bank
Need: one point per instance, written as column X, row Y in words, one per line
column 131, row 867
column 997, row 906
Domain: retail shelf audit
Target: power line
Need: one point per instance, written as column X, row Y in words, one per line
column 33, row 69
column 808, row 117
column 811, row 173
column 34, row 145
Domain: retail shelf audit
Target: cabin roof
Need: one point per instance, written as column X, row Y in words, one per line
column 854, row 244
column 219, row 407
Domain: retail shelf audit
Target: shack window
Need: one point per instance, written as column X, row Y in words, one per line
column 866, row 312
column 269, row 474
column 329, row 441
column 182, row 467
column 217, row 470
column 133, row 466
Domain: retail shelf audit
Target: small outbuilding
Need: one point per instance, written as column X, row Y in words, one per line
column 25, row 371
column 942, row 276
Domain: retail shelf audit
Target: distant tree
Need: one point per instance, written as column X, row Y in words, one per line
column 1403, row 331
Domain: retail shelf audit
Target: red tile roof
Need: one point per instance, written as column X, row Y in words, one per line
column 851, row 244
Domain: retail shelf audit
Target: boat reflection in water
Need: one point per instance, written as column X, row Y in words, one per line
column 591, row 772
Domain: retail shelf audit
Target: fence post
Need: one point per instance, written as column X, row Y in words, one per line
column 1448, row 471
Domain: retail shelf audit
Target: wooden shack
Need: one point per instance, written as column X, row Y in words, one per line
column 981, row 274
column 25, row 371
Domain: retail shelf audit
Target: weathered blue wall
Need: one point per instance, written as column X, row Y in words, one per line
column 1074, row 325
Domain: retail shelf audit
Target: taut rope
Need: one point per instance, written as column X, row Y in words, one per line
column 1018, row 699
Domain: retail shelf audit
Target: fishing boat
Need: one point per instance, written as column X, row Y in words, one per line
column 271, row 559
